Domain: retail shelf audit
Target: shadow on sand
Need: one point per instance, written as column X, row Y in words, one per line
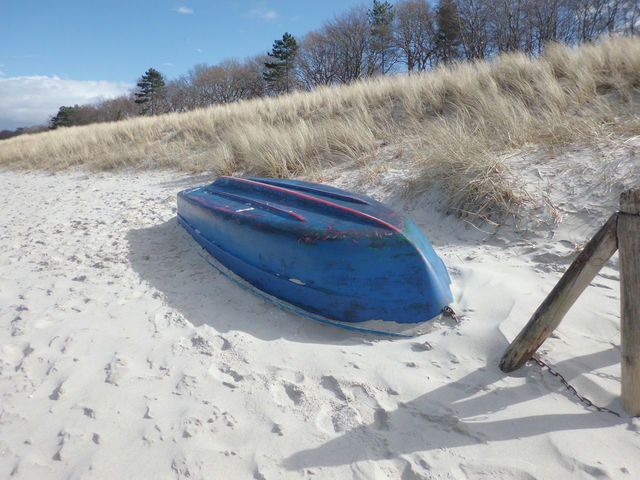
column 450, row 416
column 167, row 258
column 455, row 415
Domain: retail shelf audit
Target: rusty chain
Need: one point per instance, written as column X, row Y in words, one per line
column 572, row 389
column 449, row 312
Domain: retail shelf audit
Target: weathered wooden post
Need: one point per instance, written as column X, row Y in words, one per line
column 629, row 245
column 622, row 231
column 549, row 314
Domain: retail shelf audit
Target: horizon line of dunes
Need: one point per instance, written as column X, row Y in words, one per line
column 453, row 125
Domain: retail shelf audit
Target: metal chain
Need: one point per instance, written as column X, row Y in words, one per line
column 449, row 312
column 572, row 389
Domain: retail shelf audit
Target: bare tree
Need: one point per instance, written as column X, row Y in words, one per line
column 119, row 108
column 543, row 20
column 594, row 17
column 206, row 81
column 206, row 85
column 180, row 96
column 318, row 60
column 475, row 21
column 414, row 33
column 630, row 17
column 251, row 76
column 508, row 23
column 232, row 82
column 349, row 34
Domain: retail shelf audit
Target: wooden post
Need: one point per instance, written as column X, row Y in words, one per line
column 549, row 314
column 629, row 244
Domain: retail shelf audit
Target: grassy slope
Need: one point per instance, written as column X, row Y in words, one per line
column 453, row 123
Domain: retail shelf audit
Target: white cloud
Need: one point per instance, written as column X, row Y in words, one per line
column 264, row 13
column 184, row 10
column 26, row 101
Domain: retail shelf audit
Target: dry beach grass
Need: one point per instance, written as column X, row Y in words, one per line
column 453, row 125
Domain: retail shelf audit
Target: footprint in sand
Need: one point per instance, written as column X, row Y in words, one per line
column 286, row 386
column 331, row 384
column 295, row 393
column 292, row 376
column 225, row 417
column 115, row 371
column 57, row 392
column 17, row 326
column 345, row 418
column 57, row 456
column 186, row 385
column 227, row 376
column 190, row 426
column 225, row 344
column 71, row 445
column 277, row 429
column 232, row 373
column 62, row 344
column 26, row 351
column 202, row 345
column 381, row 420
column 410, row 471
column 183, row 468
column 340, row 416
column 324, row 420
column 421, row 347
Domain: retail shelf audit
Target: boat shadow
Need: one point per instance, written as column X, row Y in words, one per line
column 166, row 257
column 455, row 415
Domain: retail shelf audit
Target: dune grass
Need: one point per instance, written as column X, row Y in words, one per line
column 454, row 124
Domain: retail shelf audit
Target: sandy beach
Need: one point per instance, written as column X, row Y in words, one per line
column 124, row 355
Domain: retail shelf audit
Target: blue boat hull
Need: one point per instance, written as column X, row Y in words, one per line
column 326, row 251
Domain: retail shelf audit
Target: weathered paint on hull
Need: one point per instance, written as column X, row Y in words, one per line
column 329, row 252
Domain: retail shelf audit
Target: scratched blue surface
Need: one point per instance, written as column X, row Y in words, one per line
column 330, row 252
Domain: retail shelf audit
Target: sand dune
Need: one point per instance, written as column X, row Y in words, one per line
column 124, row 355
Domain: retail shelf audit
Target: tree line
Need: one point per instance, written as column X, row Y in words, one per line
column 379, row 39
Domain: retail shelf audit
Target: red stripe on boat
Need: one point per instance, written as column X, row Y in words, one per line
column 355, row 213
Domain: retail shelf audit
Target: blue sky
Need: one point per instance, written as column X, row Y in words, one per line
column 63, row 52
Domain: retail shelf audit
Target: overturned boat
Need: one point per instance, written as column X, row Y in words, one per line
column 321, row 250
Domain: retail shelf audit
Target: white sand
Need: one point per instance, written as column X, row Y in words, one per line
column 124, row 355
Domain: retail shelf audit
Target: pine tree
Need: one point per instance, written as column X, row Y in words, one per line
column 151, row 90
column 380, row 19
column 64, row 117
column 279, row 73
column 448, row 37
